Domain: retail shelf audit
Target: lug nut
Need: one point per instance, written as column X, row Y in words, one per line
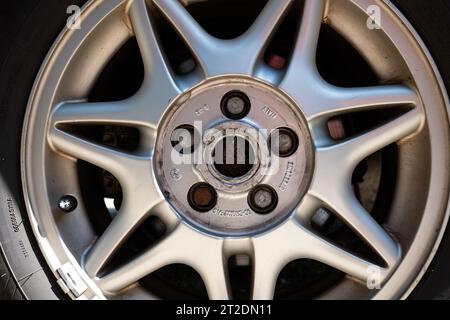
column 235, row 105
column 263, row 199
column 182, row 139
column 284, row 142
column 67, row 203
column 202, row 197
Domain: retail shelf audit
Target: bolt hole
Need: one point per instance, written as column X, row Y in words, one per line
column 283, row 142
column 263, row 199
column 202, row 197
column 235, row 105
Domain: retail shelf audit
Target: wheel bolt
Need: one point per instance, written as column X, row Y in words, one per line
column 202, row 197
column 235, row 105
column 263, row 199
column 67, row 203
column 182, row 139
column 284, row 142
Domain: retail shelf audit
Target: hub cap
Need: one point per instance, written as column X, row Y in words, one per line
column 233, row 156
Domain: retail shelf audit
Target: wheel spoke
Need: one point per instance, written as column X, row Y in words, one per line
column 125, row 113
column 199, row 41
column 214, row 272
column 327, row 101
column 299, row 243
column 353, row 213
column 269, row 257
column 308, row 37
column 184, row 246
column 336, row 164
column 302, row 79
column 135, row 175
column 332, row 180
column 263, row 29
column 208, row 49
column 116, row 162
column 303, row 59
column 321, row 100
column 141, row 199
column 321, row 250
column 316, row 97
column 340, row 198
column 164, row 253
column 126, row 221
column 351, row 152
column 338, row 161
column 159, row 87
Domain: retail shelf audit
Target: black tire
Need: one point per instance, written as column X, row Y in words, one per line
column 28, row 29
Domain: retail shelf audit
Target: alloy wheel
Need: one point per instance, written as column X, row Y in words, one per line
column 316, row 192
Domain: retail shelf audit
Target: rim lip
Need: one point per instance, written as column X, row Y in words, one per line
column 41, row 240
column 443, row 90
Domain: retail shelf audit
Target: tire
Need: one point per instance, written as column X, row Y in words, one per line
column 28, row 30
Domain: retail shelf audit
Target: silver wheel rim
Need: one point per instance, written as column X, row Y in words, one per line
column 421, row 135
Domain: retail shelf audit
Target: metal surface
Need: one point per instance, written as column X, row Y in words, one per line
column 232, row 215
column 421, row 133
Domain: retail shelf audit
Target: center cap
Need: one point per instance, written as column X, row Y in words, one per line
column 233, row 156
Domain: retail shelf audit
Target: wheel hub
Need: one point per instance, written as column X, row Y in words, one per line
column 235, row 122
